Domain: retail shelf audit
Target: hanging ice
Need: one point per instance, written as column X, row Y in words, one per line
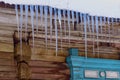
column 73, row 18
column 92, row 19
column 85, row 31
column 59, row 18
column 101, row 25
column 64, row 22
column 21, row 25
column 17, row 18
column 50, row 10
column 77, row 19
column 41, row 16
column 108, row 22
column 81, row 20
column 68, row 16
column 105, row 26
column 97, row 32
column 88, row 23
column 36, row 10
column 46, row 16
column 26, row 22
column 32, row 22
column 112, row 27
column 56, row 30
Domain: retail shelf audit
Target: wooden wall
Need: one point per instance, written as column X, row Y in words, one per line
column 40, row 70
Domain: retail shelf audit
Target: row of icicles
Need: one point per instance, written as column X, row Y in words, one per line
column 59, row 15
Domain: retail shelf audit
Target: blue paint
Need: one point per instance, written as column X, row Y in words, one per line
column 85, row 32
column 46, row 16
column 56, row 30
column 78, row 65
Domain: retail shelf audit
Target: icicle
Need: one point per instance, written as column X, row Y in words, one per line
column 21, row 25
column 101, row 25
column 32, row 22
column 50, row 10
column 112, row 27
column 41, row 16
column 85, row 31
column 108, row 22
column 59, row 17
column 56, row 30
column 68, row 15
column 88, row 23
column 36, row 10
column 77, row 19
column 73, row 18
column 64, row 23
column 116, row 27
column 81, row 20
column 17, row 18
column 92, row 19
column 105, row 27
column 46, row 16
column 26, row 22
column 97, row 31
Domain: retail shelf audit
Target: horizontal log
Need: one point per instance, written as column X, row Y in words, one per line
column 48, row 58
column 6, row 40
column 7, row 62
column 7, row 68
column 8, row 76
column 6, row 47
column 7, row 55
column 50, row 70
column 49, row 77
column 47, row 64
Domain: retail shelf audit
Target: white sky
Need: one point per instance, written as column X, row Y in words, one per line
column 110, row 8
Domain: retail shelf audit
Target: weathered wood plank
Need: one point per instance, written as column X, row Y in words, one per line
column 7, row 68
column 46, row 64
column 49, row 77
column 49, row 70
column 48, row 58
column 6, row 55
column 8, row 76
column 7, row 62
column 6, row 47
